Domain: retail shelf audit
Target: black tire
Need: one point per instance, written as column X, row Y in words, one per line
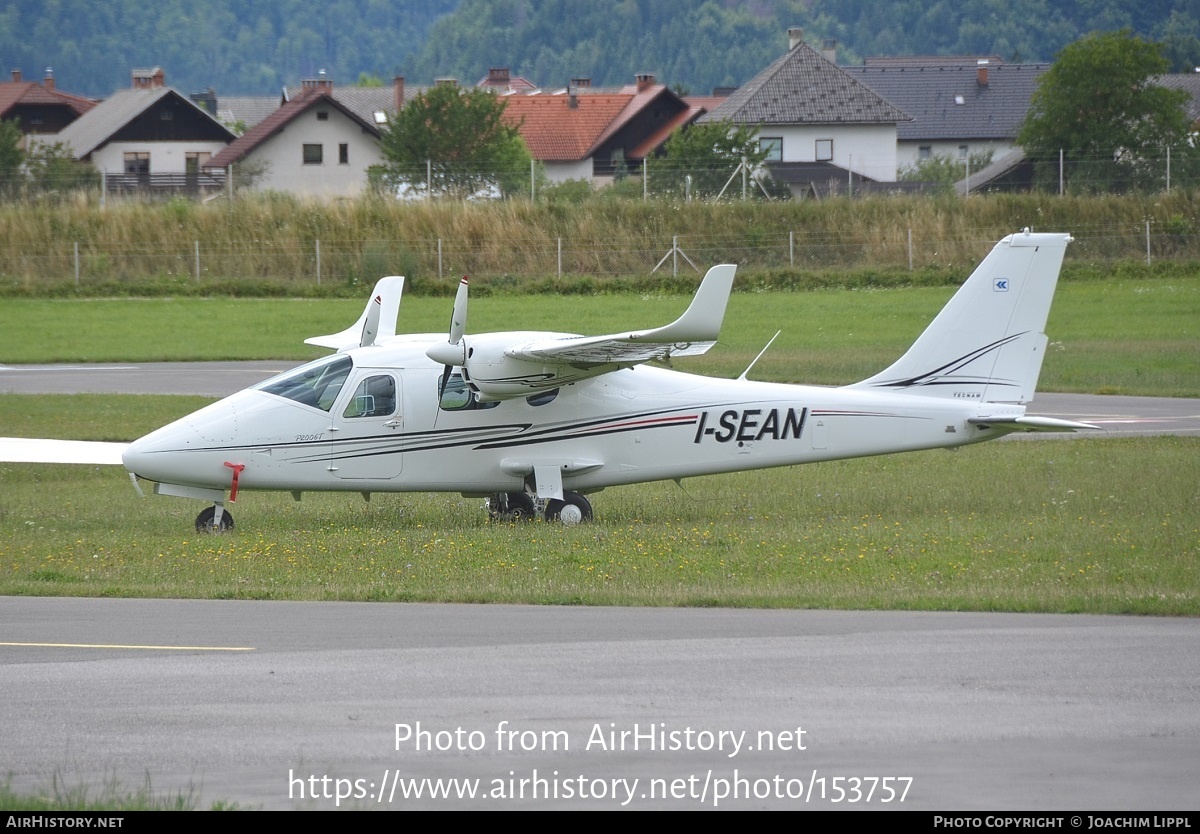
column 573, row 509
column 204, row 521
column 511, row 507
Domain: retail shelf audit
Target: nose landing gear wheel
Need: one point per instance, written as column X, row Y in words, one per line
column 206, row 521
column 511, row 506
column 573, row 509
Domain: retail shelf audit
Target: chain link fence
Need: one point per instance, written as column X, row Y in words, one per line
column 341, row 260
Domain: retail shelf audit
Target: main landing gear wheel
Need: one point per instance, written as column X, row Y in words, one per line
column 511, row 506
column 206, row 521
column 573, row 509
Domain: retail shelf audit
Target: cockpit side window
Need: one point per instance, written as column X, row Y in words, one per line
column 375, row 396
column 316, row 384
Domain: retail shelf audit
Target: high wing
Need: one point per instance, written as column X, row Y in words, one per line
column 691, row 334
column 30, row 450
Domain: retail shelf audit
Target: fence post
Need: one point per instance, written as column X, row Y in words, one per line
column 910, row 252
column 429, row 179
column 745, row 173
column 1147, row 243
column 675, row 255
column 230, row 183
column 791, row 249
column 645, row 178
column 77, row 263
column 560, row 257
column 1168, row 169
column 197, row 260
column 103, row 188
column 532, row 191
column 1060, row 172
column 439, row 257
column 318, row 262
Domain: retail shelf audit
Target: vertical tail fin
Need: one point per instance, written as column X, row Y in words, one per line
column 377, row 322
column 988, row 342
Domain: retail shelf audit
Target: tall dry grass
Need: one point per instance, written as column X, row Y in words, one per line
column 277, row 238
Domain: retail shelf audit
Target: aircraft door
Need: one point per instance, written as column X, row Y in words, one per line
column 368, row 424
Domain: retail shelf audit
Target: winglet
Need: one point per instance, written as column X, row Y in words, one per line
column 701, row 321
column 377, row 322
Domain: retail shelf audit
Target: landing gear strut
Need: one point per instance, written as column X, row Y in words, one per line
column 209, row 522
column 571, row 510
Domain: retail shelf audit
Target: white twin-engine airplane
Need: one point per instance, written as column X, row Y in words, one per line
column 535, row 421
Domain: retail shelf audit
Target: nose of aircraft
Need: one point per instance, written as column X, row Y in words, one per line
column 188, row 451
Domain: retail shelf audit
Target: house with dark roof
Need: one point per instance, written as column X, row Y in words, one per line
column 1189, row 82
column 313, row 144
column 808, row 110
column 961, row 106
column 39, row 108
column 145, row 131
column 584, row 133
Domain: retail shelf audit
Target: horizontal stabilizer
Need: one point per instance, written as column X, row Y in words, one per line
column 33, row 450
column 691, row 334
column 377, row 323
column 1013, row 423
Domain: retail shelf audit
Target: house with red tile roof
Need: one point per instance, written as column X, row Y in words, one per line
column 313, row 144
column 583, row 133
column 40, row 108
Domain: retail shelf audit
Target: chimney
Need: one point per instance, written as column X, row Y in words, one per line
column 445, row 82
column 981, row 72
column 48, row 81
column 645, row 81
column 148, row 79
column 206, row 100
column 319, row 83
column 795, row 37
column 829, row 50
column 498, row 76
column 581, row 82
column 16, row 76
column 398, row 92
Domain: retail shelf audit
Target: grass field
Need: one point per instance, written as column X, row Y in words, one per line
column 1124, row 336
column 1096, row 525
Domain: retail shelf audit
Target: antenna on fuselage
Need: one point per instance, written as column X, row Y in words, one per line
column 760, row 353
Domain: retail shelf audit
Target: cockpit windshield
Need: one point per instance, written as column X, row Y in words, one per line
column 316, row 384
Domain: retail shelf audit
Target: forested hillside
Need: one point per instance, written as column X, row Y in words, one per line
column 255, row 48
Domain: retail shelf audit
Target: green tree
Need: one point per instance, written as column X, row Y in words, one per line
column 454, row 142
column 944, row 170
column 53, row 168
column 710, row 155
column 1098, row 105
column 11, row 157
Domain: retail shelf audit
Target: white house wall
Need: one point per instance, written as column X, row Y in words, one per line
column 909, row 153
column 558, row 172
column 867, row 150
column 165, row 157
column 283, row 156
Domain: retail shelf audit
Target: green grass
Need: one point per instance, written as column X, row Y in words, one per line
column 1094, row 525
column 109, row 796
column 1121, row 336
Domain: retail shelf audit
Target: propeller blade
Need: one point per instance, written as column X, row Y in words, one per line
column 454, row 350
column 458, row 320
